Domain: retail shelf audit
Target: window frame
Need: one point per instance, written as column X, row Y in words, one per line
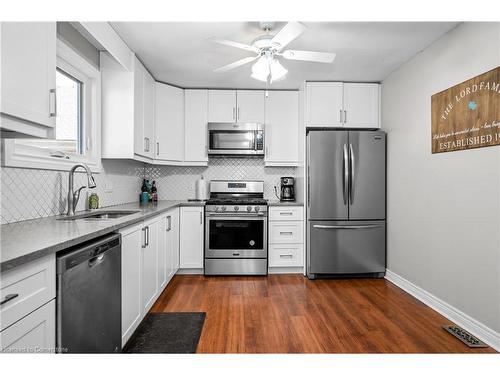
column 18, row 155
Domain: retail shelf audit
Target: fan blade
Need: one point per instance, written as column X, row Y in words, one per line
column 234, row 44
column 235, row 64
column 322, row 57
column 288, row 33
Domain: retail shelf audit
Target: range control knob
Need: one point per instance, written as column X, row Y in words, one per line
column 223, row 208
column 257, row 208
column 249, row 208
column 236, row 208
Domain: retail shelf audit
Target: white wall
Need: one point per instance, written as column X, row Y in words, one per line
column 443, row 209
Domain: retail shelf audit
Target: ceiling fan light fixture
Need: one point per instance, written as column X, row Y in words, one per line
column 278, row 71
column 260, row 70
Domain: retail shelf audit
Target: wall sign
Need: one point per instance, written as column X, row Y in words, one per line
column 467, row 115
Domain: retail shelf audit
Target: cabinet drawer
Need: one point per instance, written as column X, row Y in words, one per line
column 35, row 333
column 26, row 288
column 289, row 213
column 285, row 232
column 286, row 255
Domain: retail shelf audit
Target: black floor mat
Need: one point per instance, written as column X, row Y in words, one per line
column 167, row 333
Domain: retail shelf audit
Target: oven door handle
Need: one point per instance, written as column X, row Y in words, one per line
column 260, row 214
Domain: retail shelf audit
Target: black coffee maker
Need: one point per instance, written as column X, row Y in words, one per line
column 287, row 189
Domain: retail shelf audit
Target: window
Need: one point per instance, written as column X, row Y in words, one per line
column 76, row 134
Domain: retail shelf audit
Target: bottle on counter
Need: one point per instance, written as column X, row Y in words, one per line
column 154, row 192
column 144, row 196
column 93, row 201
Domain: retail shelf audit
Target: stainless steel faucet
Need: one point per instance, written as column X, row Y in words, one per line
column 73, row 196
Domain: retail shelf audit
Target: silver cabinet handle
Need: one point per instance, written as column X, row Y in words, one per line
column 345, row 116
column 145, row 144
column 340, row 116
column 53, row 94
column 288, row 213
column 345, row 169
column 201, row 218
column 351, row 160
column 169, row 221
column 9, row 297
column 286, row 233
column 369, row 226
column 286, row 256
column 144, row 244
column 157, row 148
column 308, row 186
column 238, row 113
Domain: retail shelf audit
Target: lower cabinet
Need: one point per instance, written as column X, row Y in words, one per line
column 286, row 237
column 35, row 333
column 191, row 237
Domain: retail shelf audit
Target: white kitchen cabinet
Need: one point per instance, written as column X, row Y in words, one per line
column 28, row 76
column 221, row 105
column 132, row 240
column 191, row 237
column 286, row 237
column 35, row 333
column 324, row 104
column 195, row 122
column 361, row 105
column 169, row 123
column 127, row 110
column 149, row 264
column 281, row 128
column 164, row 256
column 250, row 106
column 174, row 237
column 337, row 104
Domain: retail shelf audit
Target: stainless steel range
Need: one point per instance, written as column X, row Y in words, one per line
column 236, row 229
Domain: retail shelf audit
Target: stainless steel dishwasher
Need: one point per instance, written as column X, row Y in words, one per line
column 89, row 297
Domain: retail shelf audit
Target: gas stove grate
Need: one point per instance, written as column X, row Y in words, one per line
column 468, row 339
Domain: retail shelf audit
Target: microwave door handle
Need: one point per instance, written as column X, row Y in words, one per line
column 255, row 135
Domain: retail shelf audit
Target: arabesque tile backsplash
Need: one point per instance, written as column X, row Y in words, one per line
column 34, row 193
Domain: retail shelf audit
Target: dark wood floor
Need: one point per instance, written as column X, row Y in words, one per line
column 291, row 314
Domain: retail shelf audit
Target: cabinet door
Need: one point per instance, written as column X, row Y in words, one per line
column 35, row 331
column 191, row 237
column 28, row 64
column 148, row 113
column 282, row 128
column 324, row 104
column 141, row 142
column 169, row 123
column 221, row 106
column 361, row 105
column 149, row 266
column 250, row 106
column 132, row 240
column 195, row 132
column 163, row 253
column 175, row 234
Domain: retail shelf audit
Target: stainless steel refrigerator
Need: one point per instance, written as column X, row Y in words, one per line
column 346, row 193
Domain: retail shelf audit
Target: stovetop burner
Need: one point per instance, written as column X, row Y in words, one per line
column 237, row 201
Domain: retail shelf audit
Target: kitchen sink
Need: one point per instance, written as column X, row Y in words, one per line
column 101, row 215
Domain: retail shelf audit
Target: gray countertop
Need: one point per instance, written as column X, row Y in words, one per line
column 280, row 203
column 25, row 241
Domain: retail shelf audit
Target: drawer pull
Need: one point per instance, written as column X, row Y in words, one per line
column 286, row 256
column 286, row 213
column 286, row 233
column 9, row 297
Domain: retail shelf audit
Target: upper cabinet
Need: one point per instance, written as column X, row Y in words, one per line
column 250, row 106
column 221, row 105
column 195, row 121
column 236, row 106
column 281, row 126
column 28, row 76
column 169, row 123
column 336, row 104
column 127, row 102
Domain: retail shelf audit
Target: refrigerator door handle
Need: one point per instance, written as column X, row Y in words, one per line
column 345, row 179
column 351, row 180
column 347, row 226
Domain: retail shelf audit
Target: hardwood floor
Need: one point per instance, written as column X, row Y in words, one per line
column 291, row 314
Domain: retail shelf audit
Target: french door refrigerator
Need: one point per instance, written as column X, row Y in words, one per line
column 346, row 192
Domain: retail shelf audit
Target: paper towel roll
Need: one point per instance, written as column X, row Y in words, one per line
column 201, row 189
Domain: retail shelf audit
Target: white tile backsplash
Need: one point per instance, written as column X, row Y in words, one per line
column 179, row 182
column 34, row 193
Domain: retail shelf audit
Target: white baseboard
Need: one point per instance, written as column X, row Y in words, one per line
column 478, row 329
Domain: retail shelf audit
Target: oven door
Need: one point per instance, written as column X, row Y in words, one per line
column 237, row 139
column 235, row 236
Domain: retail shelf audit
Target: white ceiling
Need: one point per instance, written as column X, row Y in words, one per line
column 179, row 52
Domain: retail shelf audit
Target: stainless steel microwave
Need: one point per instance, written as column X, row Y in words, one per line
column 235, row 139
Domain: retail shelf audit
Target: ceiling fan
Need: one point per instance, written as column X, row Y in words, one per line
column 269, row 48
